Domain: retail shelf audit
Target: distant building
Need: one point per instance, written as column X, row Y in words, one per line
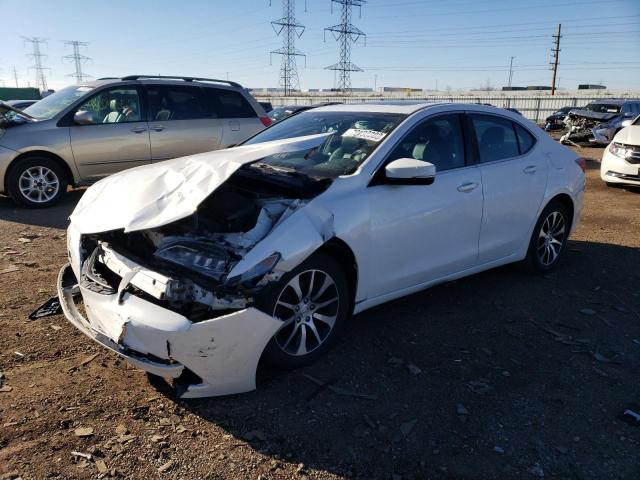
column 538, row 87
column 513, row 89
column 589, row 86
column 400, row 89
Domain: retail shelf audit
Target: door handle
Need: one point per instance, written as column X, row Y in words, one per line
column 138, row 129
column 530, row 169
column 467, row 187
column 157, row 128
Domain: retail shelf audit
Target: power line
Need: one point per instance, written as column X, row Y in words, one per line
column 78, row 60
column 38, row 57
column 345, row 33
column 290, row 29
column 554, row 56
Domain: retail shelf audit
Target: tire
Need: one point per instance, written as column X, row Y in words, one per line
column 546, row 250
column 296, row 344
column 37, row 182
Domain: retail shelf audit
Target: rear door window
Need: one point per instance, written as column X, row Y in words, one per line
column 228, row 104
column 496, row 138
column 175, row 102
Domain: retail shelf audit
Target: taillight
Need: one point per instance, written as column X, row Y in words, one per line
column 266, row 121
column 582, row 163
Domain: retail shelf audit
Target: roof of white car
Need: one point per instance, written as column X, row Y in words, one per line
column 409, row 107
column 385, row 107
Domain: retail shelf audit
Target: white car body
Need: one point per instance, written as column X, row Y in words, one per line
column 621, row 159
column 402, row 239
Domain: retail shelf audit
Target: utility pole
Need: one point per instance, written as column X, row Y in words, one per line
column 345, row 33
column 78, row 60
column 38, row 57
column 554, row 57
column 289, row 28
column 15, row 75
column 510, row 71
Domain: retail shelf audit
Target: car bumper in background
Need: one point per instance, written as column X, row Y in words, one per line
column 616, row 170
column 603, row 136
column 223, row 352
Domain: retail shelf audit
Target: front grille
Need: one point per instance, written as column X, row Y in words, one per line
column 634, row 154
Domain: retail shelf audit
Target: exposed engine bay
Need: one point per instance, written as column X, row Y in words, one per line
column 581, row 123
column 185, row 265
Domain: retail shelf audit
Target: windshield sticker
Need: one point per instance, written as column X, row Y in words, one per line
column 370, row 135
column 84, row 89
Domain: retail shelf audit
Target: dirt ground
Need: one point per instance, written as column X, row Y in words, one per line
column 500, row 375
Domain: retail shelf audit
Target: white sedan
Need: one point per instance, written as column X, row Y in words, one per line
column 621, row 159
column 194, row 269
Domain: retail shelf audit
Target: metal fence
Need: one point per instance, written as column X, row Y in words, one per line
column 534, row 108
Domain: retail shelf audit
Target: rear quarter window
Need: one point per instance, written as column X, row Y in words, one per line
column 526, row 140
column 228, row 104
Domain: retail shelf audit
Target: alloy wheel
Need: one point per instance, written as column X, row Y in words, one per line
column 308, row 305
column 39, row 184
column 551, row 238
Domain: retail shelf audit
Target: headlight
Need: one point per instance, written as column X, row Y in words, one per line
column 619, row 150
column 255, row 273
column 202, row 257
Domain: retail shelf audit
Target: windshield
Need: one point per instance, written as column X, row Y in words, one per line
column 354, row 135
column 603, row 108
column 53, row 104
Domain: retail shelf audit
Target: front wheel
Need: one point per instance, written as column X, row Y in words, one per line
column 313, row 303
column 36, row 182
column 548, row 239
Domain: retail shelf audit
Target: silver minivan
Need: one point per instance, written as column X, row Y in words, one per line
column 85, row 132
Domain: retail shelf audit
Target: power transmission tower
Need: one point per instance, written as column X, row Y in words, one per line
column 15, row 75
column 510, row 71
column 345, row 33
column 290, row 29
column 38, row 57
column 78, row 60
column 555, row 53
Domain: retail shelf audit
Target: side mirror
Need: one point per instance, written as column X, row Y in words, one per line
column 409, row 171
column 83, row 117
column 626, row 123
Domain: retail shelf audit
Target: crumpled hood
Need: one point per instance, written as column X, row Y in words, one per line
column 601, row 117
column 5, row 108
column 629, row 135
column 154, row 195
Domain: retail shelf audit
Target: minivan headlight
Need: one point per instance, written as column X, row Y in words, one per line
column 619, row 150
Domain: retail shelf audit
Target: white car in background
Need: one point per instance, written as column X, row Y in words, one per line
column 196, row 268
column 621, row 159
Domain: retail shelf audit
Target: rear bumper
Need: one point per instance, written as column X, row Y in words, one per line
column 223, row 352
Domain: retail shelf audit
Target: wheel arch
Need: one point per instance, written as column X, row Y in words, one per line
column 565, row 200
column 342, row 252
column 40, row 153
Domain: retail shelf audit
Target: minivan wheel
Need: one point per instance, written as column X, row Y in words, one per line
column 36, row 182
column 313, row 303
column 548, row 239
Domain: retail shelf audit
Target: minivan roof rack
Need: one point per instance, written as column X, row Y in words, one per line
column 186, row 79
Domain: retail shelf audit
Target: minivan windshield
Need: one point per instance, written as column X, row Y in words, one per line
column 603, row 107
column 53, row 104
column 353, row 136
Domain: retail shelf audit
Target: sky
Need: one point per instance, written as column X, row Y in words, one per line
column 454, row 44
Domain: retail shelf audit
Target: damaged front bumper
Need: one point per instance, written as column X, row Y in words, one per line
column 207, row 358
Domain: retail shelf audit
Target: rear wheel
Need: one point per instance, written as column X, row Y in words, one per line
column 313, row 303
column 36, row 182
column 548, row 239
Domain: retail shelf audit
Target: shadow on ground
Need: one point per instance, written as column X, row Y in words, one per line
column 54, row 217
column 479, row 378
